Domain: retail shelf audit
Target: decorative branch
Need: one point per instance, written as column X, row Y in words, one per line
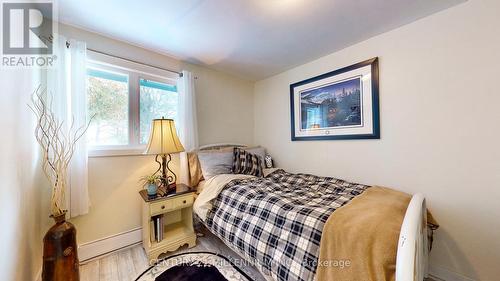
column 58, row 145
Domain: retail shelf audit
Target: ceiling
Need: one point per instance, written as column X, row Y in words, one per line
column 253, row 39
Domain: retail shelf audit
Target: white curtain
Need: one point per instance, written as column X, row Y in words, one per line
column 187, row 123
column 66, row 84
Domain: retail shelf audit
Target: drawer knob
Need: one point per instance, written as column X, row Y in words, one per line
column 163, row 206
column 184, row 201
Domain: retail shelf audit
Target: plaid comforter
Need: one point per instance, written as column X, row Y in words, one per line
column 276, row 221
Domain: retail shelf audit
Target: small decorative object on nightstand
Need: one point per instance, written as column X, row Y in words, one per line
column 151, row 183
column 167, row 220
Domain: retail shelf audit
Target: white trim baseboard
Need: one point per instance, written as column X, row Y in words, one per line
column 441, row 273
column 109, row 244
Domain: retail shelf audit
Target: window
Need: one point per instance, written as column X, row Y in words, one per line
column 107, row 101
column 156, row 100
column 123, row 99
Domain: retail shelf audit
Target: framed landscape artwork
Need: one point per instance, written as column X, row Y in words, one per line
column 342, row 104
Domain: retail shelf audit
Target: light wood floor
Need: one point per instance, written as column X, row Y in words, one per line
column 127, row 264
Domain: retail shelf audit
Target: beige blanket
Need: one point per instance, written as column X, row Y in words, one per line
column 359, row 240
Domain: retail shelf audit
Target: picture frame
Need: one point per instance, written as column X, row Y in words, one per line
column 339, row 105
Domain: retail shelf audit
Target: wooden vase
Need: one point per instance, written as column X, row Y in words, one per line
column 60, row 257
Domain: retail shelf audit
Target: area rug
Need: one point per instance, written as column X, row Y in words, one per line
column 194, row 266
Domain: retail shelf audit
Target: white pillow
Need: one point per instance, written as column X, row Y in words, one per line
column 215, row 163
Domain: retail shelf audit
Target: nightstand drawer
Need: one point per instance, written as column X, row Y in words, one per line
column 184, row 202
column 171, row 204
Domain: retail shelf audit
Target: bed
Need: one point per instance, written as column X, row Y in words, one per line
column 277, row 222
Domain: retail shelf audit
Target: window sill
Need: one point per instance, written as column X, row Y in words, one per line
column 114, row 151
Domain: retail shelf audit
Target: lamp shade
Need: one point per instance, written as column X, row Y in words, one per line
column 163, row 138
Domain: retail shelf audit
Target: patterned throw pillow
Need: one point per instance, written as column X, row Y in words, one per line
column 268, row 161
column 246, row 163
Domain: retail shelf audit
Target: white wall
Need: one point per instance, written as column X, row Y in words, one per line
column 23, row 216
column 440, row 133
column 224, row 107
column 225, row 114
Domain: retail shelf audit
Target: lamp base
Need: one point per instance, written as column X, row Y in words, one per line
column 169, row 182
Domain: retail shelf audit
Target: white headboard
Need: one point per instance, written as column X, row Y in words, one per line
column 217, row 146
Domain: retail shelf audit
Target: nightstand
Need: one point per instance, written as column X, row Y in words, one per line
column 167, row 221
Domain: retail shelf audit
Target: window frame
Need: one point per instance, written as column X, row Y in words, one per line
column 135, row 72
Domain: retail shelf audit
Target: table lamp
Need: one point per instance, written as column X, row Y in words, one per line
column 163, row 141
